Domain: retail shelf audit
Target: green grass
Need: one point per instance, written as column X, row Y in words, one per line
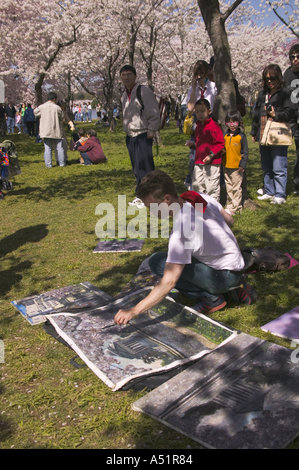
column 47, row 237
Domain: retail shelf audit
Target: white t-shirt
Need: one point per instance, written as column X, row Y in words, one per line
column 209, row 93
column 206, row 237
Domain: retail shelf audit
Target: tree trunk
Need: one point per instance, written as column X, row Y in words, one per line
column 215, row 25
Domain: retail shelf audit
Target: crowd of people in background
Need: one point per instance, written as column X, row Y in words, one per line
column 215, row 160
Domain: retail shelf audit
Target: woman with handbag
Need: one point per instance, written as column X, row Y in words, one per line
column 270, row 128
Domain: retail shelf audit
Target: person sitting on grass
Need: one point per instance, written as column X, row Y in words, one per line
column 91, row 152
column 203, row 260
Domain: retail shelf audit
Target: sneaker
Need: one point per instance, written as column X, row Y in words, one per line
column 296, row 192
column 246, row 294
column 278, row 200
column 137, row 202
column 207, row 306
column 1, row 195
column 265, row 197
column 260, row 191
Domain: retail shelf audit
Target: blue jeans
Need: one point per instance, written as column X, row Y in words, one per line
column 86, row 159
column 198, row 280
column 48, row 151
column 275, row 169
column 10, row 125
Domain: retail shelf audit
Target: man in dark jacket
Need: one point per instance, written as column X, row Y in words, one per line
column 10, row 118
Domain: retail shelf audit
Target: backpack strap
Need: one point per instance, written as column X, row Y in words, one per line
column 138, row 94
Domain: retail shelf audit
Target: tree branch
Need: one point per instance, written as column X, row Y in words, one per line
column 85, row 87
column 283, row 21
column 231, row 9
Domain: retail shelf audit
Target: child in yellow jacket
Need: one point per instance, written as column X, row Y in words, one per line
column 234, row 161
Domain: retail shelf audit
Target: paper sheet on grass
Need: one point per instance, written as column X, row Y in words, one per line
column 119, row 245
column 77, row 296
column 164, row 337
column 244, row 395
column 286, row 326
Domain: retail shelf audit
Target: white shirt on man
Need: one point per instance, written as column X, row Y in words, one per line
column 206, row 237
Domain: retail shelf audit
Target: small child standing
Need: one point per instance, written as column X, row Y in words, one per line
column 18, row 121
column 234, row 161
column 209, row 144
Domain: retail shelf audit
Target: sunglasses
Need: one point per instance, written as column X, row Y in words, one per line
column 271, row 79
column 295, row 56
column 234, row 124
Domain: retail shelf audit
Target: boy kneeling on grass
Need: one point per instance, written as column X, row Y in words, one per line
column 91, row 152
column 203, row 260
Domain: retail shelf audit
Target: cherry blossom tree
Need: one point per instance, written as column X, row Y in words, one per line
column 41, row 31
column 287, row 12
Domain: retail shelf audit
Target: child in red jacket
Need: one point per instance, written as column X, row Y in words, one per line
column 209, row 144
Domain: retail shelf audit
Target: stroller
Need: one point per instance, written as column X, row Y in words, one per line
column 9, row 165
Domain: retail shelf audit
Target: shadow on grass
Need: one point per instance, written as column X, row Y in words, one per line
column 32, row 234
column 12, row 276
column 6, row 428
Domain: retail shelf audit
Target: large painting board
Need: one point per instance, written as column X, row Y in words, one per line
column 164, row 337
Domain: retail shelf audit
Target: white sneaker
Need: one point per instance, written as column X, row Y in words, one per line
column 260, row 191
column 265, row 197
column 137, row 202
column 278, row 200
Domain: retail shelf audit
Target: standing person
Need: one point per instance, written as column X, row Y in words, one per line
column 139, row 124
column 29, row 120
column 291, row 74
column 89, row 111
column 273, row 103
column 10, row 118
column 201, row 264
column 18, row 121
column 50, row 114
column 209, row 144
column 2, row 121
column 23, row 109
column 234, row 161
column 201, row 87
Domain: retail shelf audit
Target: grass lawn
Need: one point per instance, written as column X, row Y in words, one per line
column 47, row 236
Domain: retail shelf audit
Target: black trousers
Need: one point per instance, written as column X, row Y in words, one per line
column 30, row 128
column 295, row 131
column 141, row 154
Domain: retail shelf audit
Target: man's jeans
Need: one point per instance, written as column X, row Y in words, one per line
column 198, row 280
column 48, row 152
column 275, row 169
column 10, row 125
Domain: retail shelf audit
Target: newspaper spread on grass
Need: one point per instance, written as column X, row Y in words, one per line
column 74, row 297
column 162, row 338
